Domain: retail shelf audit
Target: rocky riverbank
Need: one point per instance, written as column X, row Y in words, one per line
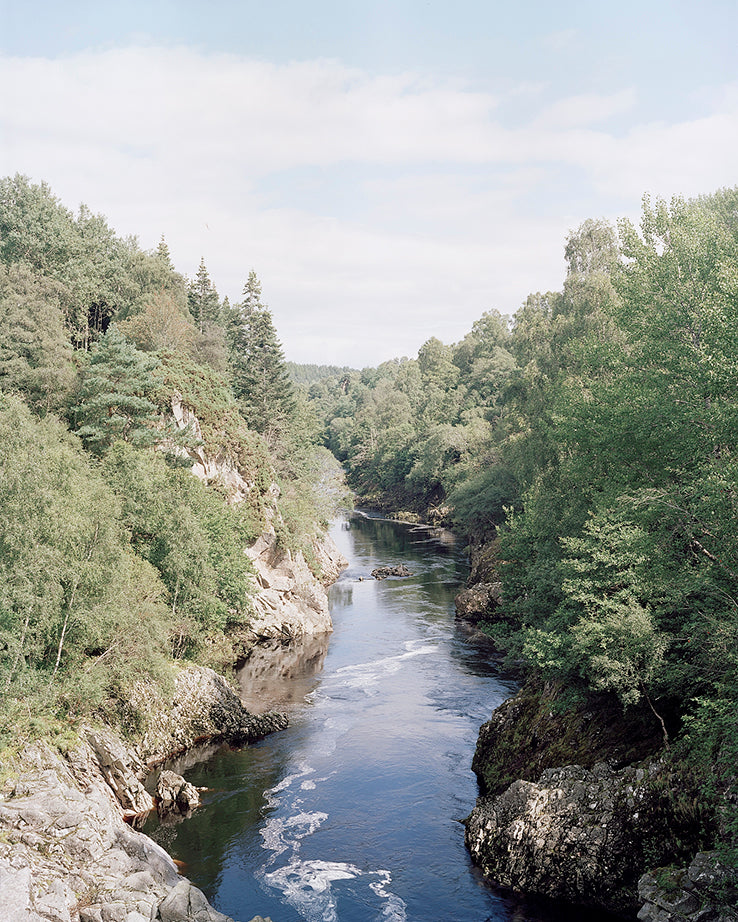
column 67, row 851
column 579, row 803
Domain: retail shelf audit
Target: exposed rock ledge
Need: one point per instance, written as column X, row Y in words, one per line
column 202, row 706
column 291, row 601
column 66, row 854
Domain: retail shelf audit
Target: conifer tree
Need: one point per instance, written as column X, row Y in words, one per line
column 260, row 378
column 202, row 299
column 113, row 402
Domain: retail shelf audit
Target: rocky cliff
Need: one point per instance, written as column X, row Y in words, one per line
column 66, row 852
column 579, row 805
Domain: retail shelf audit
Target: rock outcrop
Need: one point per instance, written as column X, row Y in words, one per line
column 291, row 601
column 571, row 836
column 584, row 833
column 481, row 597
column 202, row 707
column 175, row 795
column 66, row 854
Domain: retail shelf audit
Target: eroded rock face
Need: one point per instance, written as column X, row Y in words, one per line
column 122, row 770
column 67, row 855
column 202, row 707
column 571, row 836
column 480, row 599
column 478, row 602
column 291, row 601
column 175, row 795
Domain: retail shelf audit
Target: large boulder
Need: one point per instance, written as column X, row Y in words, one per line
column 571, row 836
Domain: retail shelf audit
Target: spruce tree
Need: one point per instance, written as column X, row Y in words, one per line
column 202, row 299
column 260, row 378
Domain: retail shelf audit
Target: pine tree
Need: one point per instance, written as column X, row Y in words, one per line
column 202, row 299
column 260, row 378
column 113, row 402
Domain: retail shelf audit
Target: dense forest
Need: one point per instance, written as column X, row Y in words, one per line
column 115, row 561
column 591, row 442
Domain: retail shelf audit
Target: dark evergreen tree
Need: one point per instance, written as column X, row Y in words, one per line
column 260, row 378
column 113, row 402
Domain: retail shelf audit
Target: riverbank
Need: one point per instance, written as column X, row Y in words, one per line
column 67, row 851
column 581, row 803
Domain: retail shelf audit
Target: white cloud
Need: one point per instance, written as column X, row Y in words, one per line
column 449, row 211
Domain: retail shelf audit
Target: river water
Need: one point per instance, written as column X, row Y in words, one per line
column 354, row 812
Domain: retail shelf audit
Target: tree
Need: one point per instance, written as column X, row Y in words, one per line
column 113, row 401
column 260, row 378
column 77, row 612
column 203, row 299
column 160, row 325
column 35, row 353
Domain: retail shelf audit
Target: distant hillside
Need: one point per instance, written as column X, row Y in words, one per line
column 308, row 374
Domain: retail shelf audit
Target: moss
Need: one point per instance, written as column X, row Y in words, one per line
column 547, row 726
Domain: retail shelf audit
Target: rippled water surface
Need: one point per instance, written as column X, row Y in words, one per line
column 353, row 813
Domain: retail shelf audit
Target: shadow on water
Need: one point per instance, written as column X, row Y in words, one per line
column 277, row 676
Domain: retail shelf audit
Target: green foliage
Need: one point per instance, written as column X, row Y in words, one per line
column 260, row 377
column 113, row 399
column 35, row 353
column 111, row 565
column 194, row 540
column 78, row 613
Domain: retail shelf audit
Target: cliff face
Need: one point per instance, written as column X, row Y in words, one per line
column 574, row 835
column 578, row 805
column 291, row 600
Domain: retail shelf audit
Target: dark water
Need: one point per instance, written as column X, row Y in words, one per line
column 353, row 813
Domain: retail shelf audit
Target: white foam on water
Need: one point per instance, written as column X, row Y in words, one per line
column 366, row 676
column 281, row 834
column 306, row 886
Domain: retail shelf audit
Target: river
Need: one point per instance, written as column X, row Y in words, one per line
column 354, row 812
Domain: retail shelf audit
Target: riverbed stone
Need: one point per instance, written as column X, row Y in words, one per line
column 175, row 795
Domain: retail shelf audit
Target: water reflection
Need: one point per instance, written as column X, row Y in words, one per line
column 276, row 676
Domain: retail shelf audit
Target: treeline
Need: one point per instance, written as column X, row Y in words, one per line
column 114, row 559
column 593, row 441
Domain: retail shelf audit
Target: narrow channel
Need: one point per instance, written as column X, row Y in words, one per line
column 353, row 813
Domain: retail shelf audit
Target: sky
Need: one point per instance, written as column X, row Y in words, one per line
column 390, row 170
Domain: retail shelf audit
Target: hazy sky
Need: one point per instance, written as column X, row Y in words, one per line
column 391, row 170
